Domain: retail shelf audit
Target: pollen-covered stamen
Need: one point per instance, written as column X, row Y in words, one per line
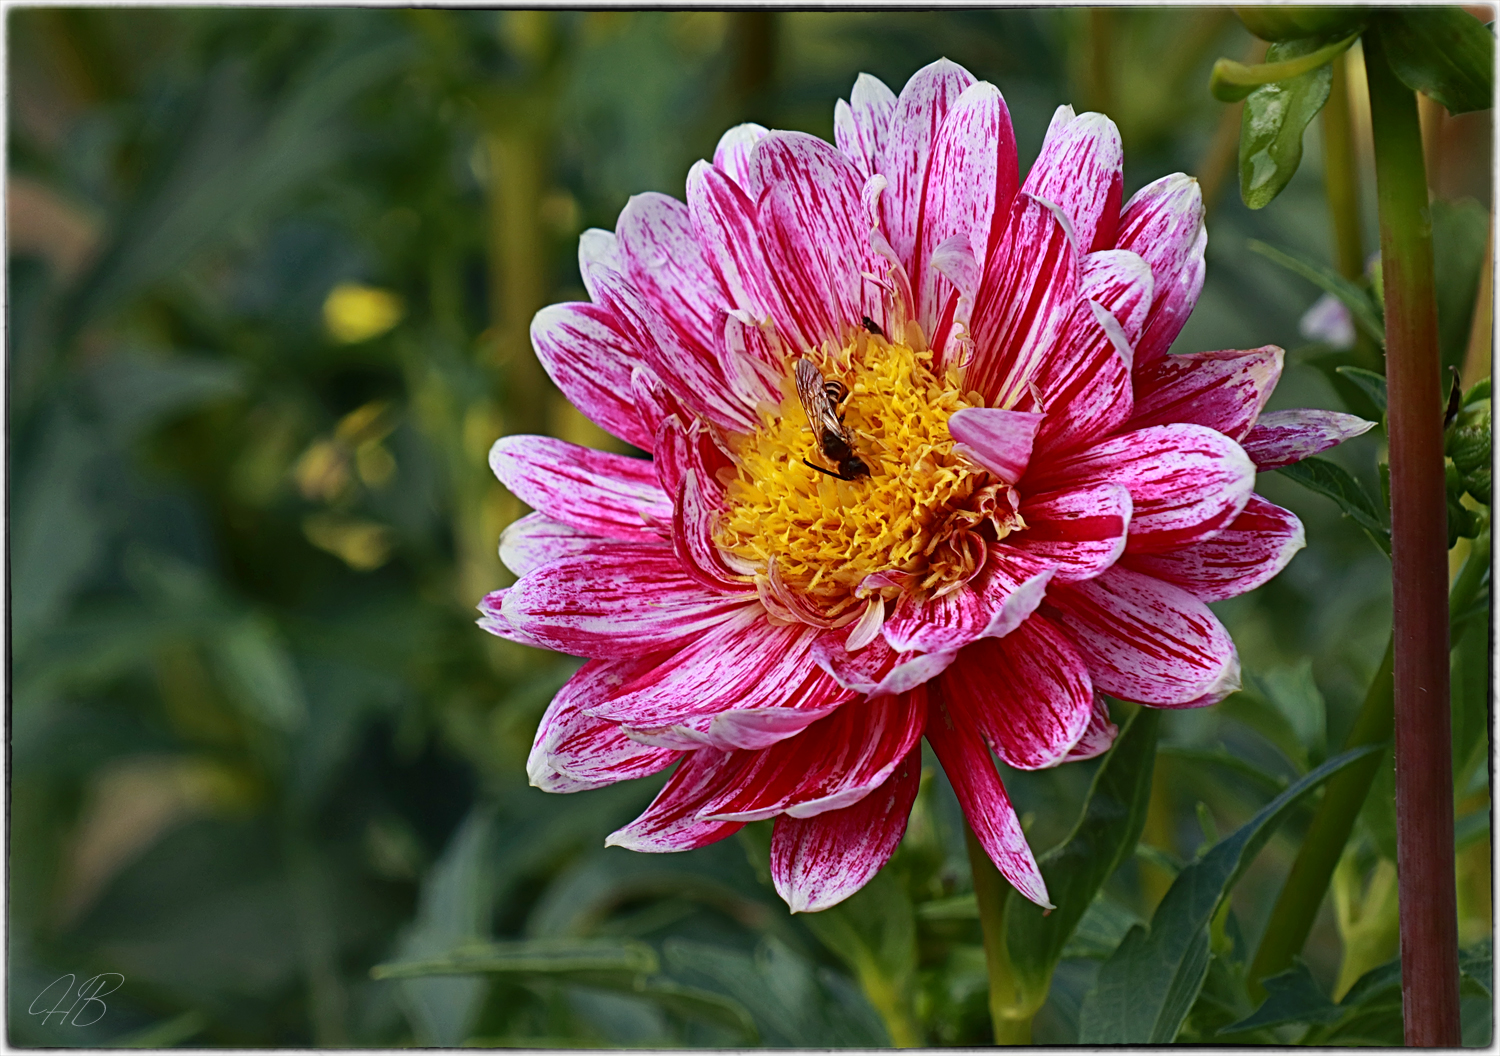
column 924, row 509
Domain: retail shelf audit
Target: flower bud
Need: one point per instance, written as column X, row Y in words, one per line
column 1468, row 445
column 1292, row 23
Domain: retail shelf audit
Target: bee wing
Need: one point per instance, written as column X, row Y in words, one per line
column 820, row 412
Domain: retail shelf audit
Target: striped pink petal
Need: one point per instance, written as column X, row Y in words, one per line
column 664, row 261
column 1000, row 441
column 1025, row 298
column 682, row 448
column 620, row 600
column 914, row 124
column 612, row 495
column 693, row 540
column 724, row 218
column 1163, row 222
column 1146, row 640
column 671, row 822
column 1186, row 482
column 1283, row 437
column 832, row 764
column 877, row 669
column 1222, row 390
column 536, row 539
column 861, row 126
column 1099, row 736
column 494, row 620
column 819, row 861
column 575, row 751
column 591, row 360
column 1028, row 694
column 966, row 760
column 732, row 155
column 1081, row 532
column 746, row 663
column 992, row 605
column 1085, row 383
column 1257, row 544
column 971, row 177
column 1080, row 169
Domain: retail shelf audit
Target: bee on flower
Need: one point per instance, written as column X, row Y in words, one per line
column 1017, row 503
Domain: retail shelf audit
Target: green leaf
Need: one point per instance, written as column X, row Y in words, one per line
column 1334, row 481
column 1443, row 52
column 1291, row 997
column 1222, row 757
column 1367, row 316
column 1231, row 81
column 1146, row 988
column 1273, row 122
column 875, row 934
column 257, row 665
column 1107, row 830
column 1370, row 383
column 1101, row 929
column 548, row 956
column 1460, row 233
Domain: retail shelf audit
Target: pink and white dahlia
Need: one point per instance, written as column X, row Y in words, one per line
column 1048, row 502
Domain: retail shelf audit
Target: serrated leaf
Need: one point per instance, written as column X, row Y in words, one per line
column 1108, row 828
column 548, row 956
column 1366, row 314
column 1370, row 383
column 1271, row 127
column 1334, row 481
column 1443, row 52
column 1146, row 988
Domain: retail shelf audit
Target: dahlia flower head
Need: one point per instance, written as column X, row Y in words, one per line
column 1050, row 499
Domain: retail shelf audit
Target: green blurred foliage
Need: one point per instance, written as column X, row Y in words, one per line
column 270, row 275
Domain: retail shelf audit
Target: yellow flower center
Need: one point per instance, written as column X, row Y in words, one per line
column 918, row 512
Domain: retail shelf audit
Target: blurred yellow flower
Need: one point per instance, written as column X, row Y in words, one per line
column 354, row 312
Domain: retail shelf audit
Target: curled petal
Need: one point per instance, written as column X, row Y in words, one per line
column 1283, row 437
column 1027, row 294
column 732, row 155
column 876, row 670
column 494, row 620
column 589, row 357
column 1099, row 736
column 834, row 763
column 724, row 218
column 1222, row 390
column 1082, row 532
column 998, row 440
column 612, row 495
column 1028, row 694
column 971, row 176
column 536, row 539
column 1080, row 168
column 966, row 760
column 819, row 861
column 992, row 605
column 671, row 822
column 861, row 126
column 1146, row 640
column 1257, row 544
column 693, row 540
column 620, row 600
column 575, row 751
column 664, row 261
column 1186, row 482
column 919, row 113
column 1163, row 222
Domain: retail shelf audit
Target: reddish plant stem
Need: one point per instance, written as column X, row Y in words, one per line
column 1419, row 544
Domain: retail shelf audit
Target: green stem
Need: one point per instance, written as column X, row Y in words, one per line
column 1012, row 1025
column 1341, row 184
column 1424, row 764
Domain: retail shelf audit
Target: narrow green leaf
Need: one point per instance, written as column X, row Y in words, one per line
column 1146, row 988
column 541, row 956
column 1370, row 383
column 1222, row 757
column 1292, row 996
column 1273, row 122
column 1107, row 830
column 1334, row 481
column 1443, row 52
column 1231, row 81
column 1101, row 930
column 1366, row 315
